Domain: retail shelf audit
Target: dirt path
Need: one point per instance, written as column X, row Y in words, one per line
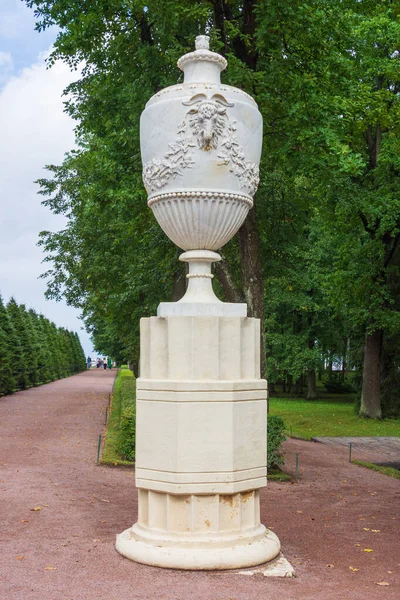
column 48, row 444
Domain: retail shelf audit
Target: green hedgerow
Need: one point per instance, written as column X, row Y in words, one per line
column 275, row 439
column 127, row 433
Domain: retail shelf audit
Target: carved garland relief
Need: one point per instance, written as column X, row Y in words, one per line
column 210, row 125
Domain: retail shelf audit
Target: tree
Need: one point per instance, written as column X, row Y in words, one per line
column 18, row 317
column 324, row 75
column 40, row 348
column 7, row 381
column 15, row 356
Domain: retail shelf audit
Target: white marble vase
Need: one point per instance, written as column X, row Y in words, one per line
column 201, row 404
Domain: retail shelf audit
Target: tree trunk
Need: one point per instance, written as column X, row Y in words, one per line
column 251, row 274
column 311, row 385
column 344, row 362
column 330, row 368
column 371, row 384
column 231, row 292
column 179, row 286
column 299, row 386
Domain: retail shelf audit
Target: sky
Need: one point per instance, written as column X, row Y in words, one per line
column 34, row 132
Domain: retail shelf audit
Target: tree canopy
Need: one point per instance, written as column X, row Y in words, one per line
column 318, row 257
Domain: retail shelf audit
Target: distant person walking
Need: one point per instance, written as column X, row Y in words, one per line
column 98, row 365
column 109, row 363
column 104, row 363
column 89, row 362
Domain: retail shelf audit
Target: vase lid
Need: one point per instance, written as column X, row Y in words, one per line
column 202, row 65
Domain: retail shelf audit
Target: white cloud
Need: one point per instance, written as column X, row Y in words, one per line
column 34, row 131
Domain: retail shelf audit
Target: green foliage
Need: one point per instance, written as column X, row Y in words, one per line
column 378, row 468
column 278, row 475
column 127, row 436
column 275, row 439
column 325, row 76
column 9, row 358
column 7, row 381
column 126, row 444
column 390, row 397
column 119, row 444
column 334, row 384
column 33, row 350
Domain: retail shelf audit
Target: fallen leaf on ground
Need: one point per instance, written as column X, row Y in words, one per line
column 37, row 508
column 390, row 572
column 357, row 544
column 354, row 569
column 50, row 568
column 368, row 550
column 366, row 528
column 330, row 566
column 299, row 511
column 24, row 521
column 20, row 557
column 105, row 500
column 375, row 530
column 99, row 540
column 381, row 583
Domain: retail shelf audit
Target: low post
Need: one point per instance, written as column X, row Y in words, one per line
column 98, row 449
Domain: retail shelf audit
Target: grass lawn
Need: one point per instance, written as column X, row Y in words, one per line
column 385, row 470
column 328, row 418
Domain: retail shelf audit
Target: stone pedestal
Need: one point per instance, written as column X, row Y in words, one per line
column 200, row 445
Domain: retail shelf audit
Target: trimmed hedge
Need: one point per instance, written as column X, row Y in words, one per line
column 127, row 429
column 33, row 351
column 275, row 439
column 119, row 442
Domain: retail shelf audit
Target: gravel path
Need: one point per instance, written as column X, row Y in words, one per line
column 48, row 445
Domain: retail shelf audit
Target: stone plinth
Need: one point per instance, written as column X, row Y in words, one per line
column 200, row 445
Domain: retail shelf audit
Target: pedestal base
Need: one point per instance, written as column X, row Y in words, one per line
column 196, row 558
column 201, row 416
column 214, row 531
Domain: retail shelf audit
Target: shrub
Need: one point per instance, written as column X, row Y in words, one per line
column 126, row 445
column 275, row 439
column 127, row 402
column 338, row 387
column 335, row 385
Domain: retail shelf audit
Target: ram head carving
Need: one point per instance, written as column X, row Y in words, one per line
column 207, row 119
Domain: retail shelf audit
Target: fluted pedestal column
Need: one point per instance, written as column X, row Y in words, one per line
column 200, row 446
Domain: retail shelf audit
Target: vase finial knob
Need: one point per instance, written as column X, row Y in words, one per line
column 202, row 42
